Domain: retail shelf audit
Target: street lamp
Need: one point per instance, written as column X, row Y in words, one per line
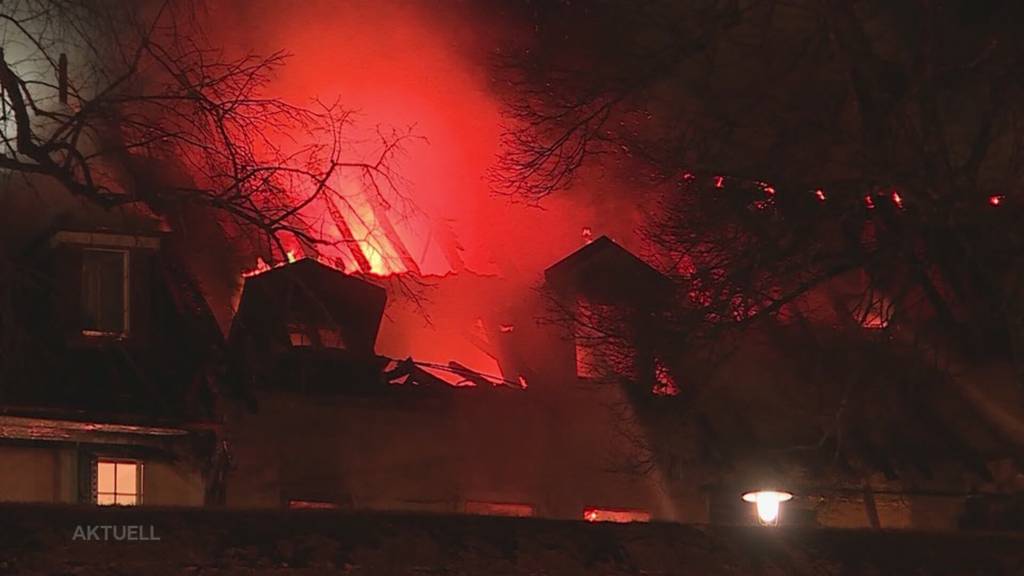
column 768, row 504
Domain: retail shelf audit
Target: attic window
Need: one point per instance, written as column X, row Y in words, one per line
column 584, row 360
column 118, row 482
column 304, row 335
column 620, row 516
column 104, row 291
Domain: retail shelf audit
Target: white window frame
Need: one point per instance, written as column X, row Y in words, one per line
column 125, row 286
column 138, row 494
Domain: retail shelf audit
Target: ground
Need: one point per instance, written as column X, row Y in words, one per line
column 38, row 540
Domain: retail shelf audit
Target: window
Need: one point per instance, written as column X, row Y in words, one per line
column 499, row 509
column 118, row 482
column 104, row 291
column 604, row 341
column 606, row 515
column 302, row 335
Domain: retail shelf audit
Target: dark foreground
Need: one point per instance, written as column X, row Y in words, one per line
column 51, row 540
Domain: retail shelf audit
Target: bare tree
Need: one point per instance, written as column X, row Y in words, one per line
column 92, row 91
column 843, row 177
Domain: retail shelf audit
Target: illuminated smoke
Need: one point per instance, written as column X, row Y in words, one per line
column 414, row 65
column 402, row 65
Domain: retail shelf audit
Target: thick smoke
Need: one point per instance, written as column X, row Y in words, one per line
column 425, row 65
column 412, row 64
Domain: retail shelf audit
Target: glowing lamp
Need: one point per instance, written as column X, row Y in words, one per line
column 769, row 504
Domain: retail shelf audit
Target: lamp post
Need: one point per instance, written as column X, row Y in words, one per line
column 769, row 504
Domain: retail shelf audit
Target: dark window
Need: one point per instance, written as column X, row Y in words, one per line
column 304, row 335
column 104, row 291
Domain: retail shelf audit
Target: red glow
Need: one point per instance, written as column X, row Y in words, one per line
column 897, row 199
column 499, row 509
column 719, row 181
column 664, row 384
column 522, row 382
column 262, row 266
column 879, row 311
column 995, row 200
column 875, row 321
column 418, row 75
column 407, row 65
column 820, row 194
column 621, row 516
column 588, row 235
column 869, row 202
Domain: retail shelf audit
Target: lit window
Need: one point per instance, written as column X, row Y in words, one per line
column 584, row 360
column 622, row 516
column 104, row 291
column 499, row 509
column 874, row 313
column 118, row 482
column 301, row 335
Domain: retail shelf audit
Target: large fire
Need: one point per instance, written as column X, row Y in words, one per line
column 418, row 67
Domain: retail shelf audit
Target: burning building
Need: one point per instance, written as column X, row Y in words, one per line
column 335, row 425
column 142, row 403
column 129, row 395
column 375, row 367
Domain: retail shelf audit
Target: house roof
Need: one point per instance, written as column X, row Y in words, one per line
column 307, row 291
column 605, row 270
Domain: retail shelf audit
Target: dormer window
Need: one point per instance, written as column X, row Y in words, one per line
column 105, row 291
column 304, row 335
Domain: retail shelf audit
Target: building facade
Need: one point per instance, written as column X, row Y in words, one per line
column 128, row 395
